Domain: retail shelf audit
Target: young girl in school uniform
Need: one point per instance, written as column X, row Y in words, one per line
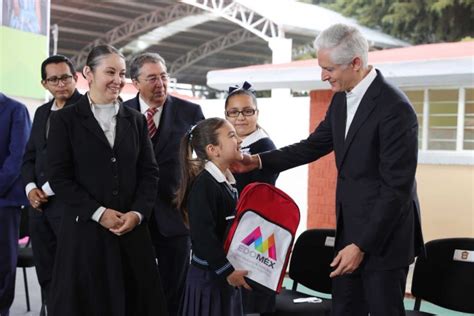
column 242, row 112
column 207, row 200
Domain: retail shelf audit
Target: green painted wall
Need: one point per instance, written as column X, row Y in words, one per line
column 21, row 54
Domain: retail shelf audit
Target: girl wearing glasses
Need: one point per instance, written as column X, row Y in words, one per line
column 242, row 112
column 102, row 167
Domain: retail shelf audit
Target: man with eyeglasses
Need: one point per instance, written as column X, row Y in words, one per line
column 168, row 118
column 58, row 76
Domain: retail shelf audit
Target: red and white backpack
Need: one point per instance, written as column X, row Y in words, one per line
column 261, row 236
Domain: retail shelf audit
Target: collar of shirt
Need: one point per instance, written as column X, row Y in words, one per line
column 217, row 174
column 93, row 105
column 54, row 107
column 253, row 138
column 144, row 106
column 361, row 88
column 354, row 96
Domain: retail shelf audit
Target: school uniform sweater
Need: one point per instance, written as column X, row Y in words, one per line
column 210, row 202
column 256, row 143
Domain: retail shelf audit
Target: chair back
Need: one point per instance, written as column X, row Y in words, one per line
column 445, row 277
column 312, row 254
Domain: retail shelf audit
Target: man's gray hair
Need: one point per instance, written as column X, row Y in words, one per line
column 139, row 60
column 344, row 42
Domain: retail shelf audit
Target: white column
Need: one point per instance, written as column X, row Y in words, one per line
column 426, row 120
column 281, row 53
column 460, row 125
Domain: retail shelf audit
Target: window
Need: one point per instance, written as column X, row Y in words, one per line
column 469, row 120
column 445, row 118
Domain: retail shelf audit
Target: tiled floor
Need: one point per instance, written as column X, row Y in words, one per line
column 409, row 303
column 19, row 304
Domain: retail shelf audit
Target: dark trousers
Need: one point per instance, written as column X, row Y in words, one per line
column 379, row 293
column 173, row 262
column 9, row 229
column 44, row 230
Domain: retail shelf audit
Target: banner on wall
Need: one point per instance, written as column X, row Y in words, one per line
column 26, row 15
column 24, row 33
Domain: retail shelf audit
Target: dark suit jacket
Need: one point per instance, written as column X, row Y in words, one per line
column 15, row 127
column 376, row 202
column 34, row 160
column 177, row 117
column 93, row 264
column 85, row 172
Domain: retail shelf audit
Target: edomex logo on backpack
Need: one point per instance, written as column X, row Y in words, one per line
column 262, row 234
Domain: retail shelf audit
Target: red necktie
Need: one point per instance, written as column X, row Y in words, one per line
column 150, row 122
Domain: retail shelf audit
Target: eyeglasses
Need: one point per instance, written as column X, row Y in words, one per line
column 154, row 79
column 54, row 81
column 244, row 112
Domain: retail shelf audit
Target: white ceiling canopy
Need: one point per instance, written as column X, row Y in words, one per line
column 192, row 39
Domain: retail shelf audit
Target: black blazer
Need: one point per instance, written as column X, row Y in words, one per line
column 85, row 172
column 177, row 117
column 34, row 160
column 376, row 202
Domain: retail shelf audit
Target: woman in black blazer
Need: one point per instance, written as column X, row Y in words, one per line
column 102, row 166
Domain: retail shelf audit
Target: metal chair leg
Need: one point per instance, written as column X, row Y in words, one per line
column 27, row 293
column 417, row 304
column 43, row 305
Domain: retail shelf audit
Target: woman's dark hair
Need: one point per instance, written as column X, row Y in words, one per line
column 99, row 52
column 195, row 140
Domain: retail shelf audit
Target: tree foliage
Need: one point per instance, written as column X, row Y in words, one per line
column 416, row 21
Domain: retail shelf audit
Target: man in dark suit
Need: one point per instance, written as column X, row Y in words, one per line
column 169, row 118
column 14, row 131
column 373, row 130
column 58, row 76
